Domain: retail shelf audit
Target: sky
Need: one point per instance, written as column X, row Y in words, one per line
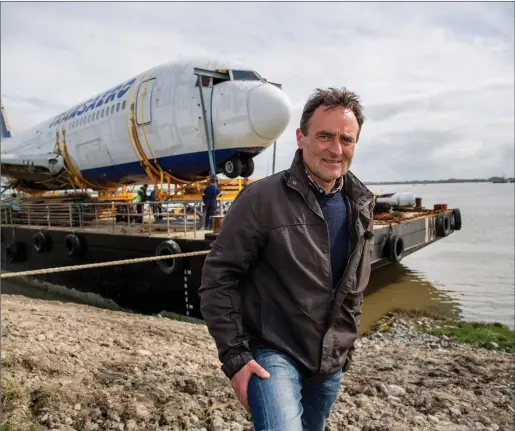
column 436, row 79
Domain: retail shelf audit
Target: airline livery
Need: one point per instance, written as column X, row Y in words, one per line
column 187, row 119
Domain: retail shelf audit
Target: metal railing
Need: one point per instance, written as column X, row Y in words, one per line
column 115, row 217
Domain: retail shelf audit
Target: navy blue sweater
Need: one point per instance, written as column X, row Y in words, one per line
column 335, row 214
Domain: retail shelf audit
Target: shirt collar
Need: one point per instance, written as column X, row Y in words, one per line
column 337, row 186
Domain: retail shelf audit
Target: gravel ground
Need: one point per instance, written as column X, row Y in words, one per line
column 68, row 366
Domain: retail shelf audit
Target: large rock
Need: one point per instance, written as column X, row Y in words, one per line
column 395, row 391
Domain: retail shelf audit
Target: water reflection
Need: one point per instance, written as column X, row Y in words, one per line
column 476, row 264
column 396, row 286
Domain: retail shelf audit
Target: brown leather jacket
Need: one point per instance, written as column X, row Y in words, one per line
column 267, row 280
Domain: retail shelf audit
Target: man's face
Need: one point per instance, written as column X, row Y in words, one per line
column 329, row 146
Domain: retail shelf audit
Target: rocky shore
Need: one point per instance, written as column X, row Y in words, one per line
column 68, row 367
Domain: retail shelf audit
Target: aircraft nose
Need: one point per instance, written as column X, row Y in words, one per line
column 269, row 111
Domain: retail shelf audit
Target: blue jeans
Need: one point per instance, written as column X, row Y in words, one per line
column 289, row 400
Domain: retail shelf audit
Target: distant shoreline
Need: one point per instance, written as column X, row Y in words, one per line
column 450, row 181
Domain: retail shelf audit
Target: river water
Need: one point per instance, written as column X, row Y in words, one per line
column 469, row 274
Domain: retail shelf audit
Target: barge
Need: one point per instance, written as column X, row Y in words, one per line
column 72, row 230
column 171, row 126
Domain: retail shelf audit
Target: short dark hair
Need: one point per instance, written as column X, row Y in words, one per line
column 332, row 98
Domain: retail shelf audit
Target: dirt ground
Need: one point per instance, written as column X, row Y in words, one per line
column 67, row 366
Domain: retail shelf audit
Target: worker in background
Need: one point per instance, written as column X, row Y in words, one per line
column 211, row 192
column 282, row 300
column 157, row 210
column 245, row 183
column 139, row 200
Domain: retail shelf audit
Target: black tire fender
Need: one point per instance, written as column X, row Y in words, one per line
column 456, row 219
column 73, row 245
column 443, row 225
column 41, row 242
column 169, row 247
column 395, row 248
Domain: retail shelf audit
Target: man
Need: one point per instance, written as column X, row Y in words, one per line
column 157, row 210
column 282, row 288
column 245, row 184
column 211, row 192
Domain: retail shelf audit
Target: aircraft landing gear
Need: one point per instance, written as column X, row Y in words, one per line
column 232, row 168
column 248, row 168
column 236, row 167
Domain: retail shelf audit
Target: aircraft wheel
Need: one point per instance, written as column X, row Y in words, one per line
column 248, row 168
column 233, row 167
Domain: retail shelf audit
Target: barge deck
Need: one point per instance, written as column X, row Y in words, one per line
column 48, row 235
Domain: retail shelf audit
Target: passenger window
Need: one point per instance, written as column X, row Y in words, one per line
column 102, row 114
column 112, row 110
column 118, row 107
column 123, row 105
column 98, row 114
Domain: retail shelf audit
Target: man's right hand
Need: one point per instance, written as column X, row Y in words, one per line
column 240, row 381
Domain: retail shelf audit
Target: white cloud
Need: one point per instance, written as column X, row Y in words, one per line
column 436, row 79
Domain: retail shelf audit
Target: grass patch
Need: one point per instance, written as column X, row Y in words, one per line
column 385, row 329
column 12, row 393
column 9, row 425
column 415, row 313
column 49, row 397
column 477, row 333
column 182, row 318
column 383, row 324
column 15, row 414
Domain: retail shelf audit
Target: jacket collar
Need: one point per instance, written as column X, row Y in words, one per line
column 353, row 187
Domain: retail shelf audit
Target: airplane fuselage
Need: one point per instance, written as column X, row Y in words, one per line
column 244, row 114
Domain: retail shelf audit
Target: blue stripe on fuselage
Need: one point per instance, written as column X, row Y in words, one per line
column 183, row 166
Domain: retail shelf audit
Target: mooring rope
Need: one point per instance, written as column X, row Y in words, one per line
column 102, row 264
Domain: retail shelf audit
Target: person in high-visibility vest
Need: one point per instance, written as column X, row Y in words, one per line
column 139, row 200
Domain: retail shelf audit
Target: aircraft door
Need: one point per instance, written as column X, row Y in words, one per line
column 144, row 102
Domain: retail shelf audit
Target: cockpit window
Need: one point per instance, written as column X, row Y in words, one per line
column 245, row 75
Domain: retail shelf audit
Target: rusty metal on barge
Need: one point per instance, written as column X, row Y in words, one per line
column 61, row 232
